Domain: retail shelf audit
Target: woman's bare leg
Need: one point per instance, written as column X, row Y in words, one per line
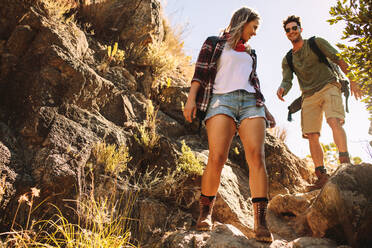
column 252, row 134
column 220, row 129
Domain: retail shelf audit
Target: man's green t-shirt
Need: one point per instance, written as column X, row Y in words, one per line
column 312, row 75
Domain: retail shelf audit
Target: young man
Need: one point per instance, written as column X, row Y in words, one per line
column 320, row 91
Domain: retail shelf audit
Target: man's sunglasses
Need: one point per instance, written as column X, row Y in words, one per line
column 294, row 28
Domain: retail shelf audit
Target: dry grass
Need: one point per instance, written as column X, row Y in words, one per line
column 280, row 133
column 56, row 9
column 167, row 57
column 102, row 212
column 174, row 36
column 160, row 59
column 148, row 137
column 103, row 222
column 2, row 187
column 95, row 14
column 114, row 160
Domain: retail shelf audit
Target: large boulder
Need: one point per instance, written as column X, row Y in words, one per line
column 306, row 242
column 223, row 236
column 132, row 21
column 15, row 176
column 11, row 11
column 287, row 173
column 341, row 211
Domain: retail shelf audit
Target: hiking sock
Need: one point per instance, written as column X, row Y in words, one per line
column 321, row 169
column 343, row 154
column 344, row 157
column 259, row 199
column 211, row 198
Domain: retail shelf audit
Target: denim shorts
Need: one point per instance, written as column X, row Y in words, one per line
column 238, row 104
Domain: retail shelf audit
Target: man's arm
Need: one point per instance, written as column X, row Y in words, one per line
column 354, row 87
column 329, row 51
column 286, row 84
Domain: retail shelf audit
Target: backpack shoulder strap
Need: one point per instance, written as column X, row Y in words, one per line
column 314, row 47
column 323, row 59
column 289, row 58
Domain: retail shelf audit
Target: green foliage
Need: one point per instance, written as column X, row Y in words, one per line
column 188, row 162
column 357, row 15
column 331, row 154
column 356, row 160
column 236, row 150
column 115, row 56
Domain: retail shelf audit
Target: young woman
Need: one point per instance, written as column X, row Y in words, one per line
column 225, row 85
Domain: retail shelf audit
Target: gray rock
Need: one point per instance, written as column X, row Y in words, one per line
column 342, row 210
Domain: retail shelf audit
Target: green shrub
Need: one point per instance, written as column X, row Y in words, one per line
column 114, row 56
column 188, row 162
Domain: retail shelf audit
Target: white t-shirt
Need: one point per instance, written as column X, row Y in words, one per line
column 233, row 71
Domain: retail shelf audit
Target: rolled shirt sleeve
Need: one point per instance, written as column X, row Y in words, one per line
column 327, row 49
column 201, row 73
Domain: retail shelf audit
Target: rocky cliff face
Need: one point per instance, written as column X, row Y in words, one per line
column 56, row 105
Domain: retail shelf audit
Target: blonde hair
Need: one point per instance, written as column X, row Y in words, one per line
column 235, row 28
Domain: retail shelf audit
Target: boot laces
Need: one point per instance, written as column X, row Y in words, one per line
column 261, row 209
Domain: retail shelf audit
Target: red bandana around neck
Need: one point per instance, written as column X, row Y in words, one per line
column 240, row 47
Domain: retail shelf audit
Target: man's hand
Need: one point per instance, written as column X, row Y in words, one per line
column 279, row 93
column 355, row 90
column 354, row 87
column 189, row 111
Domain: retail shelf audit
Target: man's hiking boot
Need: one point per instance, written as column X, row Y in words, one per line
column 344, row 157
column 322, row 176
column 204, row 222
column 262, row 233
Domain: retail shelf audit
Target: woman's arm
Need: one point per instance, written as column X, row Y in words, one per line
column 189, row 111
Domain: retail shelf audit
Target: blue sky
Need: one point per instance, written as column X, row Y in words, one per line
column 204, row 18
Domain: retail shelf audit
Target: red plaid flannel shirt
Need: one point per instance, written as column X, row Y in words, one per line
column 206, row 70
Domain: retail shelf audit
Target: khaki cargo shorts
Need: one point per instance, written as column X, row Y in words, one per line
column 327, row 100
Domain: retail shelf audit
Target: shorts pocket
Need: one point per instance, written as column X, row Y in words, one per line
column 336, row 104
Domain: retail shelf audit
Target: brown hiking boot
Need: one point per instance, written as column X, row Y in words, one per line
column 323, row 177
column 262, row 233
column 204, row 222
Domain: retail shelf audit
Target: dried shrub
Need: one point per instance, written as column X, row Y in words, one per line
column 280, row 133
